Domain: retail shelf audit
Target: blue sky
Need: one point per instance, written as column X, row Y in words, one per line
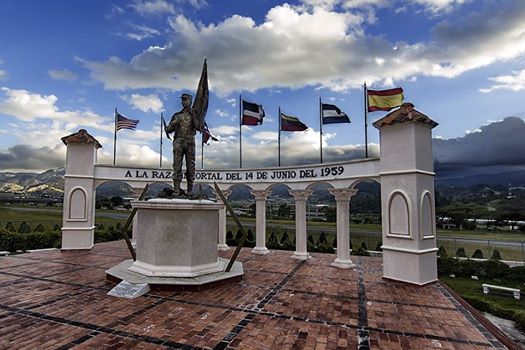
column 66, row 65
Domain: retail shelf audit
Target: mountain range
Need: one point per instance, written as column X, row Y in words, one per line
column 51, row 182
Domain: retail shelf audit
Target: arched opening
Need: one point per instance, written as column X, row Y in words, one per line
column 398, row 214
column 427, row 215
column 365, row 215
column 279, row 204
column 113, row 195
column 77, row 204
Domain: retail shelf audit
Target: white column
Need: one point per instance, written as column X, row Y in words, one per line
column 134, row 232
column 300, row 197
column 221, row 245
column 407, row 196
column 78, row 213
column 342, row 197
column 260, row 221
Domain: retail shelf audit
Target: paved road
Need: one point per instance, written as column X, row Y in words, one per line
column 361, row 232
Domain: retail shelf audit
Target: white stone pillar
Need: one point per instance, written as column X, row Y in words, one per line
column 300, row 197
column 136, row 192
column 407, row 196
column 221, row 245
column 78, row 213
column 260, row 221
column 342, row 197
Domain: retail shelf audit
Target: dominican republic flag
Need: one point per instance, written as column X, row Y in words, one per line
column 289, row 123
column 125, row 123
column 384, row 100
column 206, row 135
column 252, row 114
column 333, row 115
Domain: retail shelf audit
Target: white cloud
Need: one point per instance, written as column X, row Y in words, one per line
column 131, row 154
column 28, row 106
column 514, row 82
column 265, row 136
column 142, row 32
column 29, row 157
column 64, row 74
column 225, row 130
column 232, row 101
column 153, row 7
column 435, row 6
column 117, row 10
column 222, row 113
column 296, row 148
column 241, row 54
column 3, row 74
column 145, row 103
column 198, row 4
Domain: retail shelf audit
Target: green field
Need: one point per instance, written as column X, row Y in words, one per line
column 47, row 216
column 368, row 233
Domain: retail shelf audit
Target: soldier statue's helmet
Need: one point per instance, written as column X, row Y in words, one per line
column 186, row 96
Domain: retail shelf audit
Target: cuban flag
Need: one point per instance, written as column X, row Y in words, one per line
column 333, row 115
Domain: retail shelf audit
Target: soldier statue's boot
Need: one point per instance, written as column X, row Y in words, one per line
column 189, row 193
column 176, row 189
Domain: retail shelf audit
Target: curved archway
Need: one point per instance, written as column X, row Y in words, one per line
column 427, row 225
column 398, row 209
column 77, row 204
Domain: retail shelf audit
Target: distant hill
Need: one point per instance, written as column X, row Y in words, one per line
column 51, row 182
column 48, row 182
column 516, row 178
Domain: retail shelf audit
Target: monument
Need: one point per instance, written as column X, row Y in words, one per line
column 177, row 237
column 184, row 125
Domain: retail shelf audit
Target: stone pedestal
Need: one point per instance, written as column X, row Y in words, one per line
column 176, row 247
column 177, row 238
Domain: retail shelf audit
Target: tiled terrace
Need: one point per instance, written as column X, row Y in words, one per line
column 57, row 300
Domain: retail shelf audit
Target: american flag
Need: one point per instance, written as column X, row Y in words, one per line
column 125, row 123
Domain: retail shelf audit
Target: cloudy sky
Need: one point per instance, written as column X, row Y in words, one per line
column 68, row 64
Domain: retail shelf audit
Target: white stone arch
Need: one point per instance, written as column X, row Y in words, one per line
column 358, row 181
column 427, row 222
column 399, row 204
column 311, row 185
column 78, row 204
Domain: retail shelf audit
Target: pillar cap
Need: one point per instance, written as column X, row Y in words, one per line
column 82, row 136
column 405, row 113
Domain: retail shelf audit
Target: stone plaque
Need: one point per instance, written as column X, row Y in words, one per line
column 129, row 290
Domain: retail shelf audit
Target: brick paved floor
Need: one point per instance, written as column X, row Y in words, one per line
column 57, row 300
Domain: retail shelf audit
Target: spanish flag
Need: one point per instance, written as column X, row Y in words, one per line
column 384, row 100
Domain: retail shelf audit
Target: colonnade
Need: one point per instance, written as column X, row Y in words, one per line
column 342, row 197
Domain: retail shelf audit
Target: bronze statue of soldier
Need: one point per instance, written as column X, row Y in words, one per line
column 184, row 124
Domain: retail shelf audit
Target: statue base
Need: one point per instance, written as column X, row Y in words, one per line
column 176, row 245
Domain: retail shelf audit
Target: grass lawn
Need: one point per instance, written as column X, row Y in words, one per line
column 499, row 303
column 47, row 216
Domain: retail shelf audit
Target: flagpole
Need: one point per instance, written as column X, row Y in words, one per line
column 115, row 139
column 321, row 130
column 279, row 139
column 240, row 131
column 202, row 150
column 160, row 161
column 366, row 121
